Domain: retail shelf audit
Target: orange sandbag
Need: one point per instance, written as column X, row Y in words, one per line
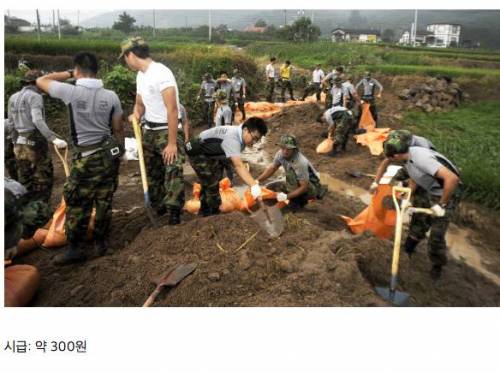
column 374, row 140
column 56, row 235
column 24, row 246
column 366, row 121
column 325, row 146
column 375, row 218
column 193, row 205
column 21, row 283
column 231, row 201
column 248, row 201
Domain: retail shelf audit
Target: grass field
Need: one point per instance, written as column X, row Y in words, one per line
column 469, row 137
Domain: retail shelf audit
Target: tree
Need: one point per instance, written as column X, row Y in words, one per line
column 260, row 23
column 301, row 30
column 125, row 23
column 388, row 35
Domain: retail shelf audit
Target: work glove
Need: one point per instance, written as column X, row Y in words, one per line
column 256, row 190
column 438, row 211
column 373, row 187
column 281, row 197
column 59, row 143
column 405, row 204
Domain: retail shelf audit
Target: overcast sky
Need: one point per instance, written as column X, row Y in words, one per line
column 46, row 15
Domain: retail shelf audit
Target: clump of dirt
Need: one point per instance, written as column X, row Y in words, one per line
column 436, row 94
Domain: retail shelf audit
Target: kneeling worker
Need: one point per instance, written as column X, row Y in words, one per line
column 435, row 184
column 340, row 123
column 302, row 180
column 212, row 147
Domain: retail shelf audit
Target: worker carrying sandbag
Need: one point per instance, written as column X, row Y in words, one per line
column 302, row 180
column 340, row 124
column 370, row 85
column 435, row 184
column 212, row 147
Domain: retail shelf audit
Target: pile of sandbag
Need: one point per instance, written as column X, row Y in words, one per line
column 436, row 94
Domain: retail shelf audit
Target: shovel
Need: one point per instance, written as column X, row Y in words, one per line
column 359, row 174
column 269, row 219
column 171, row 278
column 144, row 177
column 397, row 298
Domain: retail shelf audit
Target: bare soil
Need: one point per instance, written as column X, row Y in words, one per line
column 316, row 262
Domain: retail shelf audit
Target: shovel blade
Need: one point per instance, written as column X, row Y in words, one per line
column 271, row 221
column 397, row 298
column 173, row 277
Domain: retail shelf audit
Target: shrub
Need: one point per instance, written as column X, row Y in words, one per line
column 122, row 81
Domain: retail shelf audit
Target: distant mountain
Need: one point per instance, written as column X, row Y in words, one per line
column 481, row 25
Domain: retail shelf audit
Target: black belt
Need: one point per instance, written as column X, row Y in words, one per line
column 156, row 125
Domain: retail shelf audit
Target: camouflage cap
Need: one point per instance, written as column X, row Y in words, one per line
column 404, row 136
column 130, row 43
column 221, row 95
column 395, row 145
column 31, row 76
column 368, row 74
column 289, row 142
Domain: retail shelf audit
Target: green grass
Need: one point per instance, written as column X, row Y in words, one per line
column 469, row 137
column 433, row 70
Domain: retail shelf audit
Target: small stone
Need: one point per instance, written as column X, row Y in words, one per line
column 133, row 259
column 75, row 290
column 225, row 272
column 214, row 276
column 285, row 266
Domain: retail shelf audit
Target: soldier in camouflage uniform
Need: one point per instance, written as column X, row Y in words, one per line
column 26, row 115
column 340, row 122
column 23, row 216
column 328, row 83
column 435, row 183
column 9, row 156
column 97, row 135
column 302, row 180
column 157, row 103
column 208, row 152
column 369, row 86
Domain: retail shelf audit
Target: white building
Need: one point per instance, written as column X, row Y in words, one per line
column 444, row 35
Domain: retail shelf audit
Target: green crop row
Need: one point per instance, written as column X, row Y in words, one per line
column 468, row 136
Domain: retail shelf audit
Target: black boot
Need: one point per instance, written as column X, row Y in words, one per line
column 436, row 272
column 410, row 246
column 174, row 216
column 101, row 247
column 73, row 254
column 335, row 151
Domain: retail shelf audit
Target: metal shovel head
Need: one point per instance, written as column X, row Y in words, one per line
column 397, row 298
column 176, row 275
column 354, row 173
column 270, row 221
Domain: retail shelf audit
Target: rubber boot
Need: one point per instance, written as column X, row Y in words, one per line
column 335, row 151
column 101, row 247
column 73, row 254
column 174, row 216
column 436, row 272
column 410, row 246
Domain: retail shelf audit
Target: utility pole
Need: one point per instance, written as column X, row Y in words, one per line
column 285, row 17
column 416, row 28
column 209, row 26
column 154, row 24
column 58, row 24
column 186, row 21
column 53, row 19
column 312, row 16
column 77, row 19
column 38, row 24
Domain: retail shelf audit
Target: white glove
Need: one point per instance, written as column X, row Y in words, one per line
column 256, row 190
column 405, row 204
column 438, row 211
column 373, row 187
column 59, row 143
column 281, row 197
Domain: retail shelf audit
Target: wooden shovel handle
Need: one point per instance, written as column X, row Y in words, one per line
column 64, row 159
column 152, row 297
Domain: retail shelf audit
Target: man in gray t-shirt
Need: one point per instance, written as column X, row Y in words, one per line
column 97, row 135
column 208, row 152
column 240, row 92
column 435, row 183
column 31, row 135
column 302, row 180
column 207, row 89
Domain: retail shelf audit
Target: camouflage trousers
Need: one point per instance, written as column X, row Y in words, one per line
column 421, row 223
column 165, row 182
column 343, row 126
column 208, row 113
column 315, row 190
column 286, row 85
column 210, row 172
column 92, row 181
column 270, row 90
column 34, row 166
column 10, row 159
column 313, row 88
column 328, row 98
column 240, row 103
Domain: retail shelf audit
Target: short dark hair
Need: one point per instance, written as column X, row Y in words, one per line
column 87, row 62
column 141, row 51
column 256, row 124
column 288, row 62
column 273, row 59
column 222, row 72
column 340, row 69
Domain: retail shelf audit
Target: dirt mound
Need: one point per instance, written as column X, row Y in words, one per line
column 436, row 94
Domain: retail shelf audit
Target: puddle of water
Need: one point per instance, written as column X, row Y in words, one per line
column 340, row 186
